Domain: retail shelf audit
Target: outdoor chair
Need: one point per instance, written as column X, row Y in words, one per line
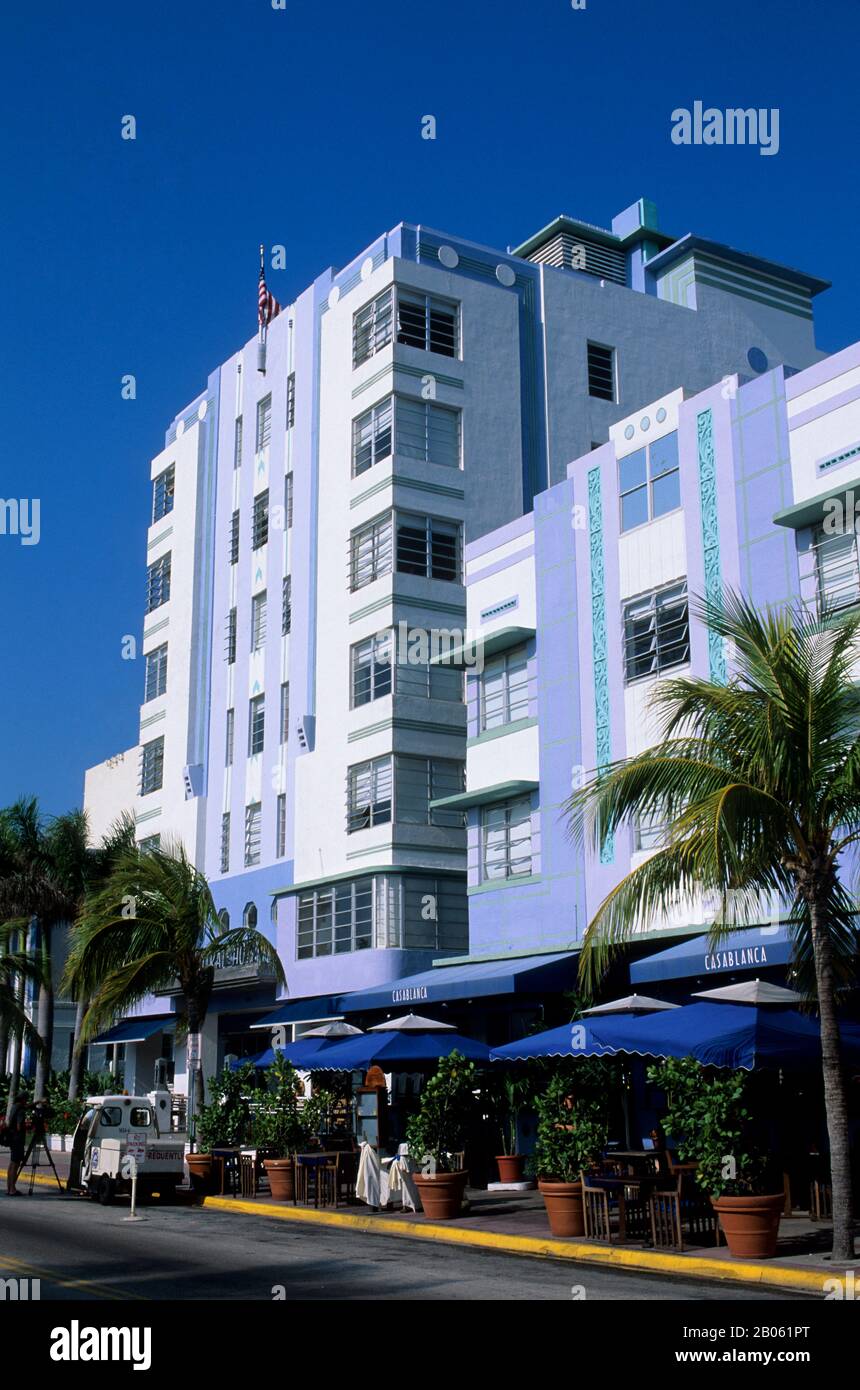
column 346, row 1171
column 820, row 1200
column 596, row 1210
column 664, row 1208
column 248, row 1171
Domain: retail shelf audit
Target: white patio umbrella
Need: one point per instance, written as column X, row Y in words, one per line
column 332, row 1030
column 632, row 1004
column 412, row 1023
column 751, row 992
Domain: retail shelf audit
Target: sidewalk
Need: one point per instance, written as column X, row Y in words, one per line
column 516, row 1223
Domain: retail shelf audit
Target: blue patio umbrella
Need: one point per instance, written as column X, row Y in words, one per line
column 396, row 1049
column 717, row 1035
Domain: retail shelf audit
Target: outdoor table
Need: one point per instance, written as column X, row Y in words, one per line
column 620, row 1188
column 225, row 1160
column 311, row 1163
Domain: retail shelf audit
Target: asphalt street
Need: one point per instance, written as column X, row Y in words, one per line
column 79, row 1250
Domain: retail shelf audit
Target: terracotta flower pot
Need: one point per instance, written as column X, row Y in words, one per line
column 281, row 1178
column 563, row 1202
column 201, row 1172
column 751, row 1224
column 511, row 1167
column 441, row 1193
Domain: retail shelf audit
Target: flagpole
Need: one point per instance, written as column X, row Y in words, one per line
column 261, row 345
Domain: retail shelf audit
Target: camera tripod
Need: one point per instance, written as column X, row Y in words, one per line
column 39, row 1141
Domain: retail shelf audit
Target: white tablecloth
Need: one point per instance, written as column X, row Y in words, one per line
column 385, row 1182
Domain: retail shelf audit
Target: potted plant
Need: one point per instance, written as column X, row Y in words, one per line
column 223, row 1122
column 709, row 1118
column 512, row 1096
column 284, row 1126
column 571, row 1135
column 437, row 1132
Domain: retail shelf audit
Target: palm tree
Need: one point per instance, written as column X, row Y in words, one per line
column 758, row 783
column 16, row 967
column 153, row 927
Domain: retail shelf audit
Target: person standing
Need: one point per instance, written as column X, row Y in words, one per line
column 16, row 1138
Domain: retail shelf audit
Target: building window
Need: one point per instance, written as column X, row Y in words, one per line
column 230, row 642
column 428, row 547
column 234, row 538
column 249, row 915
column 649, row 482
column 837, row 576
column 253, row 816
column 506, row 840
column 371, row 669
column 649, row 832
column 152, row 766
column 225, row 843
column 281, row 827
column 291, row 400
column 504, row 689
column 371, row 437
column 163, row 489
column 335, row 919
column 418, row 781
column 429, row 681
column 288, row 499
column 371, row 327
column 422, row 430
column 237, row 442
column 158, row 583
column 230, row 738
column 264, row 422
column 260, row 520
column 258, row 621
column 428, row 323
column 149, row 844
column 369, row 789
column 601, row 371
column 286, row 605
column 370, row 552
column 256, row 724
column 285, row 712
column 656, row 632
column 156, row 674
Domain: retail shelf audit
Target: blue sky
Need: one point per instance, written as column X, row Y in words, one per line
column 302, row 127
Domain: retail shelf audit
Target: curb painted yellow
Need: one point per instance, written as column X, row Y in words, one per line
column 643, row 1261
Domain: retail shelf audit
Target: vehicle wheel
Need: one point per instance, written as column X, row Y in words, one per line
column 167, row 1192
column 106, row 1190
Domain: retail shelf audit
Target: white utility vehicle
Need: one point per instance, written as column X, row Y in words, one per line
column 119, row 1134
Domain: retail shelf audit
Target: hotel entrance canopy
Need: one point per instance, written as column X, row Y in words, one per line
column 755, row 949
column 473, row 979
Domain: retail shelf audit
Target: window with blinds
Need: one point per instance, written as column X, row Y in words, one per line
column 428, row 547
column 152, row 766
column 506, row 840
column 656, row 632
column 504, row 689
column 234, row 538
column 837, row 572
column 253, row 818
column 286, row 605
column 288, row 499
column 371, row 437
column 237, row 442
column 291, row 400
column 601, row 371
column 258, row 621
column 230, row 638
column 428, row 323
column 229, row 737
column 285, row 712
column 371, row 327
column 281, row 826
column 371, row 669
column 256, row 724
column 260, row 520
column 163, row 491
column 370, row 552
column 411, row 428
column 158, row 582
column 225, row 842
column 156, row 673
column 264, row 422
column 369, row 794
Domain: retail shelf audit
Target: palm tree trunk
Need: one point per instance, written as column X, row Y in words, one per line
column 45, row 1016
column 196, row 1019
column 17, row 1053
column 76, row 1071
column 835, row 1100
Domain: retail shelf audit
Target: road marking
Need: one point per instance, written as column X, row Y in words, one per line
column 50, row 1276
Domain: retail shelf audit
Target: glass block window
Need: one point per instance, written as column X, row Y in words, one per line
column 504, row 689
column 258, row 621
column 291, row 400
column 656, row 632
column 369, row 794
column 281, row 826
column 260, row 520
column 429, row 323
column 256, row 724
column 649, row 482
column 264, row 422
column 237, row 442
column 156, row 673
column 506, row 840
column 370, row 552
column 285, row 712
column 371, row 327
column 288, row 499
column 229, row 738
column 225, row 842
column 230, row 638
column 253, row 818
column 286, row 605
column 158, row 582
column 234, row 538
column 163, row 491
column 152, row 766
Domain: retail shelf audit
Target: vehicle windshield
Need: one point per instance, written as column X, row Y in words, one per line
column 111, row 1115
column 141, row 1117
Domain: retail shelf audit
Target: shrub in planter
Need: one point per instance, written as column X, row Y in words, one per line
column 437, row 1132
column 225, row 1121
column 283, row 1125
column 510, row 1096
column 572, row 1132
column 709, row 1118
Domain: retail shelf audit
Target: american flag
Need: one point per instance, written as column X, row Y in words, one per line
column 268, row 307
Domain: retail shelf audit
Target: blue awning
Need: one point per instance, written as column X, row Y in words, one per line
column 315, row 1007
column 130, row 1030
column 472, row 980
column 756, row 949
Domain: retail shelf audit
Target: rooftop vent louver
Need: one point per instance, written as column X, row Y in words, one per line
column 569, row 251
